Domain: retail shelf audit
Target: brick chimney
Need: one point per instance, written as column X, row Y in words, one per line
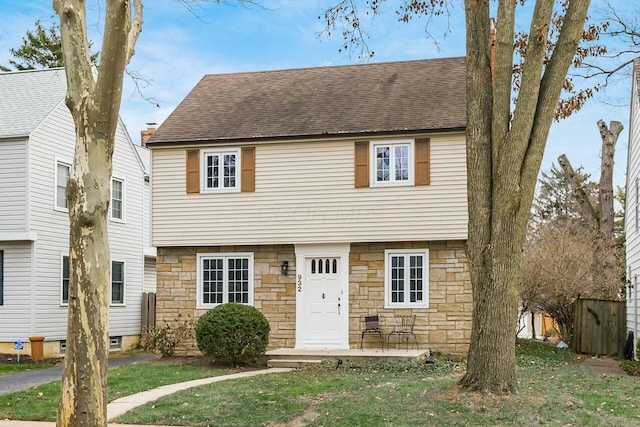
column 146, row 134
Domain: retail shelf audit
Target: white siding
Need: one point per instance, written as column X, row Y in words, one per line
column 150, row 275
column 54, row 140
column 632, row 222
column 13, row 185
column 15, row 313
column 305, row 194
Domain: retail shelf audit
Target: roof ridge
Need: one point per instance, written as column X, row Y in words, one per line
column 31, row 71
column 342, row 66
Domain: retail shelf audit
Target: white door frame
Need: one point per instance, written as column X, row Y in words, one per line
column 333, row 250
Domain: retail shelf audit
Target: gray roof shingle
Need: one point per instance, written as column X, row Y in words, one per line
column 27, row 97
column 391, row 97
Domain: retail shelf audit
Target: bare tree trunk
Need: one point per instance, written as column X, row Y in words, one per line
column 609, row 139
column 94, row 105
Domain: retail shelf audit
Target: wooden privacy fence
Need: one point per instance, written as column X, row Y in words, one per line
column 599, row 327
column 148, row 310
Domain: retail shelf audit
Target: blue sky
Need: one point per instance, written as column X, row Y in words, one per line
column 177, row 48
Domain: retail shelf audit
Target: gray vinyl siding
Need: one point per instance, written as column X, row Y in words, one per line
column 304, row 193
column 53, row 141
column 13, row 185
column 15, row 312
column 632, row 222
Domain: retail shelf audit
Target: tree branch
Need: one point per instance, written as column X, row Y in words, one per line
column 136, row 28
column 550, row 88
column 73, row 36
column 589, row 212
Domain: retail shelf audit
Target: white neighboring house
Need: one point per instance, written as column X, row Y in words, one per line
column 37, row 141
column 632, row 209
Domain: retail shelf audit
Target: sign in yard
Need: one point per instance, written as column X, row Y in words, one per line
column 19, row 346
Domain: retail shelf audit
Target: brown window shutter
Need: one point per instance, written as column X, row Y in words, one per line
column 193, row 171
column 423, row 161
column 248, row 178
column 361, row 164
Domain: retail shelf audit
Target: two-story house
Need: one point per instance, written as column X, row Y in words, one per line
column 37, row 140
column 318, row 196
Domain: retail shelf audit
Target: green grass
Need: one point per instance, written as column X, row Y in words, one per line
column 41, row 402
column 14, row 368
column 555, row 389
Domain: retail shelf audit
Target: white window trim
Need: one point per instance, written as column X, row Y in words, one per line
column 124, row 200
column 373, row 163
column 225, row 296
column 55, row 184
column 203, row 170
column 62, row 302
column 124, row 284
column 387, row 278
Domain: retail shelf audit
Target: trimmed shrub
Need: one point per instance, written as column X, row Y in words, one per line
column 233, row 333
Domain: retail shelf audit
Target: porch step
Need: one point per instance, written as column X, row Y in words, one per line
column 292, row 358
column 291, row 363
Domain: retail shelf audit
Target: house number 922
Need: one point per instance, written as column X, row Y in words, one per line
column 299, row 282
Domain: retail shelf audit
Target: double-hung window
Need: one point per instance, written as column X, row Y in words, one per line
column 63, row 170
column 392, row 163
column 406, row 283
column 221, row 170
column 65, row 280
column 224, row 278
column 117, row 282
column 117, row 199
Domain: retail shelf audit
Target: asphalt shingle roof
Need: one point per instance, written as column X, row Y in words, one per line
column 360, row 99
column 27, row 97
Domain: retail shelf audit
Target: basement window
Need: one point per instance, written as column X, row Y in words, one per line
column 115, row 343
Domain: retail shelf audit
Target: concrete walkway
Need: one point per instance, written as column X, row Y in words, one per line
column 124, row 404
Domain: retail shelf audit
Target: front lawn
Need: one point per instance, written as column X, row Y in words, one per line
column 41, row 402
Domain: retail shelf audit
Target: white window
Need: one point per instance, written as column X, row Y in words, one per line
column 224, row 278
column 406, row 278
column 117, row 282
column 392, row 163
column 221, row 170
column 63, row 171
column 64, row 294
column 117, row 199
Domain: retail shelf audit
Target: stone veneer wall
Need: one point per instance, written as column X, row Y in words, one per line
column 274, row 293
column 445, row 326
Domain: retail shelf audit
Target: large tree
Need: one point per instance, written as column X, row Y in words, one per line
column 94, row 103
column 506, row 135
column 41, row 48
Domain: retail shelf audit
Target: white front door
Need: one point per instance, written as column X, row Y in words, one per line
column 322, row 300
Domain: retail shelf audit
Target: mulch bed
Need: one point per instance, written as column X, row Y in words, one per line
column 25, row 359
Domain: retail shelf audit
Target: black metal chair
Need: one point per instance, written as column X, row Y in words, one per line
column 372, row 325
column 403, row 327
